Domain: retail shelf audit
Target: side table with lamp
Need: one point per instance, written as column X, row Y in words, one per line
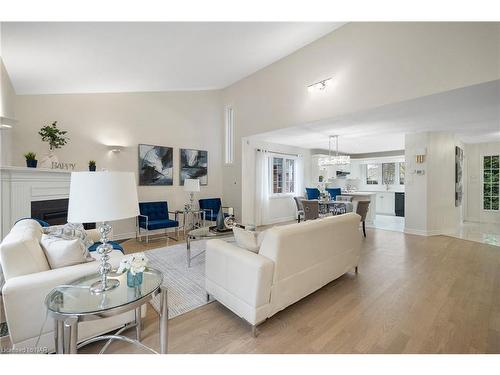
column 191, row 185
column 192, row 216
column 114, row 197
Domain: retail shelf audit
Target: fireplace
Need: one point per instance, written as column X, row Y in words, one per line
column 54, row 212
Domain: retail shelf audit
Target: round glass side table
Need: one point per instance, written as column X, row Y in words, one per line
column 73, row 303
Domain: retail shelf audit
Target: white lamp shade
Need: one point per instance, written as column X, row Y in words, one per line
column 102, row 196
column 191, row 184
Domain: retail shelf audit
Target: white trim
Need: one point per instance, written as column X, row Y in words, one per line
column 428, row 233
column 123, row 236
column 279, row 220
column 282, row 195
column 131, row 235
column 229, row 135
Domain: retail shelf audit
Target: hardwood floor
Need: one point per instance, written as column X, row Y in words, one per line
column 412, row 294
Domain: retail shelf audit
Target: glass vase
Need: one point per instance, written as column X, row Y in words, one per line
column 134, row 280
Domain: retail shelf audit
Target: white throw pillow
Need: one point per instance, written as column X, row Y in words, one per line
column 64, row 253
column 248, row 240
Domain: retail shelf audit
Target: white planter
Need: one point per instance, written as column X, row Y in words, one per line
column 48, row 159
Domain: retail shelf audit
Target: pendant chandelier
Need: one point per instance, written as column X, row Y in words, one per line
column 335, row 159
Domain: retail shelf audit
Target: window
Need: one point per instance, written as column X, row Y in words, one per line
column 277, row 175
column 289, row 175
column 388, row 173
column 491, row 174
column 402, row 171
column 283, row 175
column 372, row 174
column 229, row 139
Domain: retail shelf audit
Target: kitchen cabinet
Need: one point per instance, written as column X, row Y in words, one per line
column 385, row 203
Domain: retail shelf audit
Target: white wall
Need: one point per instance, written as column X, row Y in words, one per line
column 280, row 208
column 175, row 119
column 7, row 111
column 7, row 94
column 474, row 189
column 372, row 64
column 430, row 198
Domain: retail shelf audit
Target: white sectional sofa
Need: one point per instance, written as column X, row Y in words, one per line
column 28, row 280
column 293, row 261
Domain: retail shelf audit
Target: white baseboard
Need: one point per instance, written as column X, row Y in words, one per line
column 428, row 233
column 123, row 236
column 279, row 220
column 129, row 235
column 417, row 232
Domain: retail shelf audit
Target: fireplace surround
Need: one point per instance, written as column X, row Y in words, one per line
column 24, row 188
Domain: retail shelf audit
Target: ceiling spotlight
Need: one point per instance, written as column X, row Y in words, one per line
column 5, row 126
column 320, row 86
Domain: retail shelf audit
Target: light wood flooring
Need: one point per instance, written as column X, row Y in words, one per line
column 412, row 295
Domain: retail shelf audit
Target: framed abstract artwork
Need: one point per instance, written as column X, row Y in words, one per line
column 194, row 164
column 156, row 166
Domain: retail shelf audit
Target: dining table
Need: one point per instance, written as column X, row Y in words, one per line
column 335, row 207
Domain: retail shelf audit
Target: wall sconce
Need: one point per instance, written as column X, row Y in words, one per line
column 420, row 155
column 320, row 86
column 115, row 149
column 6, row 123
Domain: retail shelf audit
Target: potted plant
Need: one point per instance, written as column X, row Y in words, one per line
column 92, row 165
column 31, row 161
column 56, row 138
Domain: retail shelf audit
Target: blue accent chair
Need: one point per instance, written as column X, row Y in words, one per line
column 312, row 193
column 154, row 216
column 211, row 207
column 116, row 246
column 334, row 192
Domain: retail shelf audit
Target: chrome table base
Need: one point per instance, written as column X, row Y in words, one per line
column 66, row 331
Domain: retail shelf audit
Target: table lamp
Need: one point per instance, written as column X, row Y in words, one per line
column 191, row 185
column 102, row 197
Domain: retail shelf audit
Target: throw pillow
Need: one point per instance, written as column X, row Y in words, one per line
column 64, row 253
column 248, row 240
column 69, row 231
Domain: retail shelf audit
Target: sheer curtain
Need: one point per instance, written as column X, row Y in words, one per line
column 261, row 186
column 299, row 176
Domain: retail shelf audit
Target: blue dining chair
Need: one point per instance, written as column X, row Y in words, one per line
column 312, row 193
column 334, row 192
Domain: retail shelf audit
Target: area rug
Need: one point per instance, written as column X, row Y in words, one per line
column 186, row 286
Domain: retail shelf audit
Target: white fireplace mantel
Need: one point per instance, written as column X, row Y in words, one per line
column 20, row 186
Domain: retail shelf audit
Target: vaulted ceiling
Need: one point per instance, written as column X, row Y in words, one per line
column 83, row 57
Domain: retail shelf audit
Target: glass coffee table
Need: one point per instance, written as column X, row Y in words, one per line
column 73, row 303
column 203, row 233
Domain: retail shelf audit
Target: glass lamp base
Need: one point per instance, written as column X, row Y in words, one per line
column 98, row 287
